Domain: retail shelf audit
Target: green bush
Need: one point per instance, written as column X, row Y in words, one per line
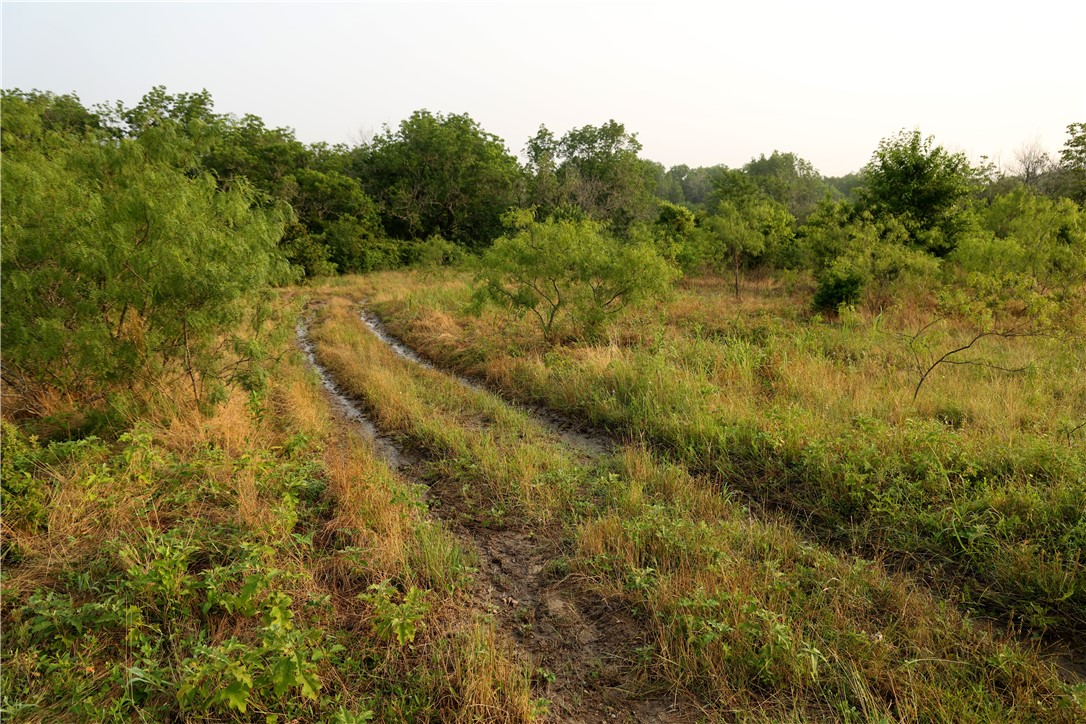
column 119, row 265
column 567, row 272
column 842, row 283
column 22, row 496
column 435, row 251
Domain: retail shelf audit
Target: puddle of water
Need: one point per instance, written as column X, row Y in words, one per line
column 378, row 328
column 386, row 448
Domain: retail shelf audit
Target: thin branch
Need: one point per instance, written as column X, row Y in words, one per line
column 976, row 338
column 1073, row 430
column 923, row 329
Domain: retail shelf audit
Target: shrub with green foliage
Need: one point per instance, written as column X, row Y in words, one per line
column 433, row 252
column 1024, row 232
column 22, row 495
column 119, row 266
column 569, row 272
column 922, row 184
column 842, row 283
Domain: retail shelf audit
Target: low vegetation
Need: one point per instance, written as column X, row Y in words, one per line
column 734, row 444
column 258, row 561
column 818, row 421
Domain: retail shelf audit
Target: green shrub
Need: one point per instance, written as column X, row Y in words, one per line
column 22, row 496
column 842, row 283
column 567, row 271
column 119, row 266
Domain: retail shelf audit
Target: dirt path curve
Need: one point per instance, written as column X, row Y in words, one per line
column 577, row 644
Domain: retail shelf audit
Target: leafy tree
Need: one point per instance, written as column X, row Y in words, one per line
column 264, row 157
column 734, row 187
column 46, row 112
column 245, row 151
column 747, row 228
column 179, row 129
column 827, row 233
column 835, row 228
column 338, row 215
column 790, row 181
column 674, row 235
column 542, row 155
column 308, row 255
column 922, row 184
column 697, row 184
column 434, row 253
column 747, row 225
column 327, row 157
column 732, row 240
column 440, row 174
column 846, row 185
column 667, row 185
column 566, row 270
column 595, row 168
column 1073, row 163
column 120, row 269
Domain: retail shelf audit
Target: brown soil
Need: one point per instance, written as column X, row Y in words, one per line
column 580, row 645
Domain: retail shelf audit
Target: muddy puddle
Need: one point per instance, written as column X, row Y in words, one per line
column 386, row 447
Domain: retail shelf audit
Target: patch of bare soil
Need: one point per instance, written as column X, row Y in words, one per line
column 580, row 646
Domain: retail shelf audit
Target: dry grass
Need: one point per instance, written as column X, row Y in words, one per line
column 273, row 479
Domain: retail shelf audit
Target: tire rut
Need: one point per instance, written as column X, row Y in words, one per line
column 578, row 645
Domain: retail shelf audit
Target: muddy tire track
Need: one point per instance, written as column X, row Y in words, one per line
column 578, row 645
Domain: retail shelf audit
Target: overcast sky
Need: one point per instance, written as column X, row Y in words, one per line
column 700, row 84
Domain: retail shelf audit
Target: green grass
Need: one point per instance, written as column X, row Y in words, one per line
column 977, row 481
column 743, row 613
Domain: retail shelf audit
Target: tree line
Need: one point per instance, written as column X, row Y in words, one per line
column 132, row 234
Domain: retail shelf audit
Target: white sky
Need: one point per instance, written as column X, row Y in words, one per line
column 700, row 83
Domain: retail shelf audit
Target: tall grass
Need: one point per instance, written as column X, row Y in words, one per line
column 741, row 612
column 979, row 480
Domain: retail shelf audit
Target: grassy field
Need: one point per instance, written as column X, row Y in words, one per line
column 771, row 531
column 977, row 484
column 258, row 562
column 741, row 613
